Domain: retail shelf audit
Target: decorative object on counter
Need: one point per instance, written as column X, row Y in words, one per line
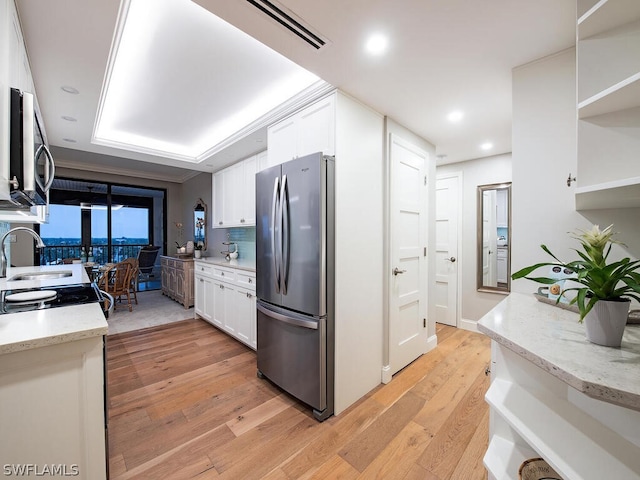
column 197, row 252
column 537, row 469
column 229, row 254
column 604, row 298
column 189, row 246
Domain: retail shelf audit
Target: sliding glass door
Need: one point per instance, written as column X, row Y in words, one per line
column 109, row 222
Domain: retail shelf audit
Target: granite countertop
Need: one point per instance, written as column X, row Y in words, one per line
column 240, row 263
column 554, row 340
column 39, row 328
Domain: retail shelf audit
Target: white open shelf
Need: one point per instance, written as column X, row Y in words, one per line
column 503, row 458
column 623, row 193
column 622, row 96
column 607, row 14
column 575, row 444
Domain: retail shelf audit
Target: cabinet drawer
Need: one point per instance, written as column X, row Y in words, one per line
column 226, row 274
column 246, row 279
column 204, row 269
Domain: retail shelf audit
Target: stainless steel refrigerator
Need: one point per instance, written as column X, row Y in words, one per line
column 295, row 279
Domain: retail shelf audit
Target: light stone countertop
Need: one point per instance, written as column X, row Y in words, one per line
column 240, row 263
column 554, row 340
column 50, row 326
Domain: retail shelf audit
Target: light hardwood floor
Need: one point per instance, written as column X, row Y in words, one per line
column 185, row 402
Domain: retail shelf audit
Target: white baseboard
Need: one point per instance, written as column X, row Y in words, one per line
column 386, row 374
column 471, row 325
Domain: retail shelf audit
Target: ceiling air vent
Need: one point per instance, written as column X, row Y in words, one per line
column 288, row 20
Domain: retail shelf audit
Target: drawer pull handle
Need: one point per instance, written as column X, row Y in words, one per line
column 251, row 280
column 222, row 286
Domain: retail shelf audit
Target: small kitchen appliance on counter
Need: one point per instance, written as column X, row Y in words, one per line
column 295, row 279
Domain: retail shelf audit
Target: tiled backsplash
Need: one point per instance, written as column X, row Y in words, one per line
column 244, row 237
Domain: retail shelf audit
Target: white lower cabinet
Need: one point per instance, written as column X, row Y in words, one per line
column 203, row 302
column 52, row 411
column 245, row 310
column 225, row 297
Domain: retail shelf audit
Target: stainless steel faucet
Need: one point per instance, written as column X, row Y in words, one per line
column 3, row 257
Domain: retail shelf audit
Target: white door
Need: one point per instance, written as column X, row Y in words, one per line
column 408, row 265
column 447, row 218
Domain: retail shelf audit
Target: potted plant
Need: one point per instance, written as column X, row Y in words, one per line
column 197, row 249
column 605, row 289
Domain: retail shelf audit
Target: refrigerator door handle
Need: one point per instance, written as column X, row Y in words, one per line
column 284, row 244
column 291, row 320
column 274, row 250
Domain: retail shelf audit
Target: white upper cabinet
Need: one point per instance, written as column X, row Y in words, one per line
column 234, row 194
column 608, row 72
column 309, row 130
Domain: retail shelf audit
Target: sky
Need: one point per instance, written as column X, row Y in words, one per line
column 64, row 221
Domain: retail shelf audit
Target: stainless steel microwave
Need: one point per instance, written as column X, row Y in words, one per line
column 31, row 166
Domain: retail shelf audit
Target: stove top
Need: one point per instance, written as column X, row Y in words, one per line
column 29, row 299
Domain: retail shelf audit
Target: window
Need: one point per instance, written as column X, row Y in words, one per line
column 110, row 222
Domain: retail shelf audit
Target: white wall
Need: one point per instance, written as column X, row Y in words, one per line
column 482, row 171
column 359, row 250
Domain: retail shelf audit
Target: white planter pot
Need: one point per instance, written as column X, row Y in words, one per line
column 606, row 321
column 197, row 253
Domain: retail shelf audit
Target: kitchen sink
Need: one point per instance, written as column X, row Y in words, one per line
column 40, row 275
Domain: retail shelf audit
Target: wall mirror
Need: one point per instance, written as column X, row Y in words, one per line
column 200, row 223
column 494, row 238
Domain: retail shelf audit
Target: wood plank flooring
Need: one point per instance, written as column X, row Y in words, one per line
column 185, row 402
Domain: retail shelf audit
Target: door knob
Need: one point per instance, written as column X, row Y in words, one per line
column 451, row 259
column 396, row 271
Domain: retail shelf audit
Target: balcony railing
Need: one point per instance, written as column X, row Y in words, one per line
column 55, row 254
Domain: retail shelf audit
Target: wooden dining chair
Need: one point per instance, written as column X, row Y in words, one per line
column 133, row 284
column 116, row 280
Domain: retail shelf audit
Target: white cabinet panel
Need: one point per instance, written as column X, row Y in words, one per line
column 310, row 130
column 245, row 313
column 234, row 195
column 282, row 141
column 53, row 407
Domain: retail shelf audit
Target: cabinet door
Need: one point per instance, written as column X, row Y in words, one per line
column 233, row 178
column 203, row 291
column 316, row 128
column 218, row 199
column 179, row 285
column 229, row 320
column 282, row 141
column 249, row 191
column 245, row 314
column 218, row 312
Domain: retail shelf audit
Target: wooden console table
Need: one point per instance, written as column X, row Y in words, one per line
column 177, row 279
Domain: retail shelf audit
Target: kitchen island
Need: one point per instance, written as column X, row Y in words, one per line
column 557, row 396
column 52, row 384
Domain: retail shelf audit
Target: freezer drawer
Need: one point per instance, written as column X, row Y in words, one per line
column 292, row 353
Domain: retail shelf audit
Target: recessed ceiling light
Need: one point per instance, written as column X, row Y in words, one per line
column 377, row 44
column 70, row 140
column 69, row 119
column 71, row 90
column 455, row 116
column 486, row 146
